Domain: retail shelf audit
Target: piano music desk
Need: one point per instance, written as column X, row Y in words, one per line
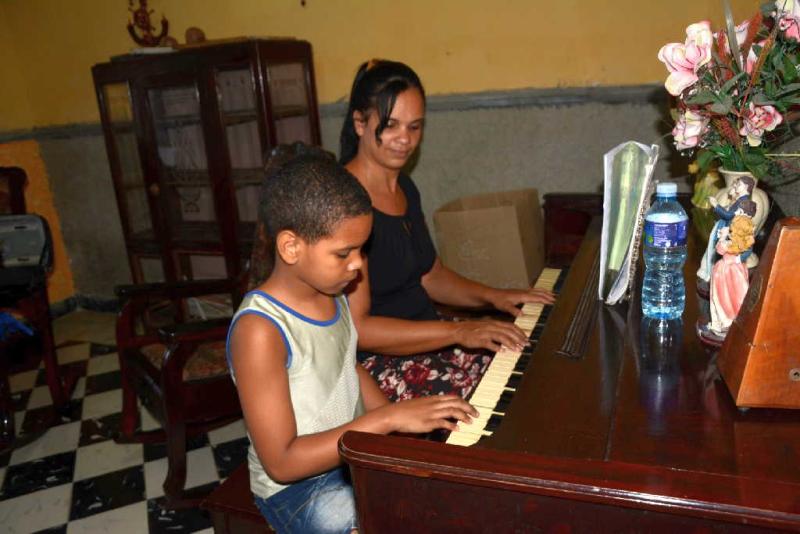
column 599, row 443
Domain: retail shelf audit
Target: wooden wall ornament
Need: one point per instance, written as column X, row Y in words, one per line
column 141, row 22
column 760, row 358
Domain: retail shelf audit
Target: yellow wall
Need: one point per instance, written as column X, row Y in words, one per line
column 455, row 45
column 48, row 46
column 39, row 200
column 15, row 110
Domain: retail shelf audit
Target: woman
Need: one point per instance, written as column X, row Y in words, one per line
column 402, row 341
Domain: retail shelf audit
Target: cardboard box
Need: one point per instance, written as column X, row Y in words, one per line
column 493, row 238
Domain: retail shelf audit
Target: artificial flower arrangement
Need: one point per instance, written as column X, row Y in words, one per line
column 735, row 104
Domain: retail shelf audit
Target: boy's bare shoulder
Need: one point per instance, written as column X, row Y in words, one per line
column 253, row 332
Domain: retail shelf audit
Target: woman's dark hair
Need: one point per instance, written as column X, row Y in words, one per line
column 377, row 84
column 306, row 191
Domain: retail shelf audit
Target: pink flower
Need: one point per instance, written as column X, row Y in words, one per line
column 757, row 120
column 683, row 60
column 689, row 129
column 741, row 35
column 417, row 374
column 788, row 15
column 752, row 58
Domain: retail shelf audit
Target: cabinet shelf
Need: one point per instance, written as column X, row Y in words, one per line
column 165, row 140
column 232, row 118
column 285, row 112
column 194, row 236
column 201, row 178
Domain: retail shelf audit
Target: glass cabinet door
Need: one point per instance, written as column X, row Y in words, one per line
column 237, row 97
column 288, row 93
column 184, row 186
column 135, row 217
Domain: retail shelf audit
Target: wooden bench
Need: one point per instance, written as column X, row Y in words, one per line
column 231, row 506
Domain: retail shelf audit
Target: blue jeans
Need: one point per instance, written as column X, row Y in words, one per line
column 319, row 504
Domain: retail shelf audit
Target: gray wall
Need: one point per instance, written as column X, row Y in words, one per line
column 84, row 198
column 554, row 148
column 553, row 140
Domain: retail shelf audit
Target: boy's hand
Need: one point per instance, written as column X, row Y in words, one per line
column 429, row 413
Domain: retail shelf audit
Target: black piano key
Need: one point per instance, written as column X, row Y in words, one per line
column 493, row 422
column 513, row 381
column 522, row 363
column 562, row 276
column 505, row 400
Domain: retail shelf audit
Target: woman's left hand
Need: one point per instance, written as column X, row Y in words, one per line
column 507, row 300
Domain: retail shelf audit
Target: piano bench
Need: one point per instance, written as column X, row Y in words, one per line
column 232, row 508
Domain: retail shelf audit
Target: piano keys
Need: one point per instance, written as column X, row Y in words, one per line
column 497, row 386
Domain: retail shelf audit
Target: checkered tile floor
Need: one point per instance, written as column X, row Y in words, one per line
column 75, row 478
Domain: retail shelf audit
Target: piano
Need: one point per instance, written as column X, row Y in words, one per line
column 604, row 437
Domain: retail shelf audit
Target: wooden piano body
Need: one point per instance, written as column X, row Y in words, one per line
column 612, row 441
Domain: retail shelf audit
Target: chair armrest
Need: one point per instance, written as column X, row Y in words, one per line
column 195, row 332
column 174, row 290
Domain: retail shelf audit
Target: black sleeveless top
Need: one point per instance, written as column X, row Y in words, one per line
column 400, row 251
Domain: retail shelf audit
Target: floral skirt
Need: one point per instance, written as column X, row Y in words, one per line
column 451, row 370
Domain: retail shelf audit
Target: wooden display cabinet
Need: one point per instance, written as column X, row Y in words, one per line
column 186, row 132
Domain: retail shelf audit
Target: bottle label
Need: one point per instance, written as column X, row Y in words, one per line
column 672, row 234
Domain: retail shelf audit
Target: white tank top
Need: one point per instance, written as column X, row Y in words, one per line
column 321, row 360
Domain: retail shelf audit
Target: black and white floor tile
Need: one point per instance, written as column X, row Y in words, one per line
column 75, row 478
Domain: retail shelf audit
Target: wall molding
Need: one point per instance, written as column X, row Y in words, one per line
column 527, row 98
column 66, row 131
column 652, row 94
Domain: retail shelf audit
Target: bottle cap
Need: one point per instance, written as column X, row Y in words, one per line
column 667, row 188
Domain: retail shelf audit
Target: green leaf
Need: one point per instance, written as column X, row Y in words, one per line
column 762, row 100
column 704, row 159
column 702, row 97
column 789, row 69
column 726, row 88
column 722, row 104
column 787, row 90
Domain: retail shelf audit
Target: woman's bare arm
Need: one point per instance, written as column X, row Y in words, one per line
column 448, row 287
column 386, row 335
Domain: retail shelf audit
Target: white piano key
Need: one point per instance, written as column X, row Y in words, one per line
column 492, row 384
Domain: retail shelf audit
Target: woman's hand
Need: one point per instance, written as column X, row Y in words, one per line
column 490, row 334
column 429, row 413
column 507, row 300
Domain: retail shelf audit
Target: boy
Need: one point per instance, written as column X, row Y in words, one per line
column 292, row 352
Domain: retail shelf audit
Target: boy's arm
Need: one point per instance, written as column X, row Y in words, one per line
column 259, row 362
column 371, row 394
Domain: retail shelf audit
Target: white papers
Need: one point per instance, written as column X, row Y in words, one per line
column 628, row 170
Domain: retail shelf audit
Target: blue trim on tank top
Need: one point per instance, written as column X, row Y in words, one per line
column 298, row 314
column 270, row 319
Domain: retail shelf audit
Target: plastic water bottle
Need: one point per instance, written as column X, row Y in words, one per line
column 665, row 229
column 658, row 364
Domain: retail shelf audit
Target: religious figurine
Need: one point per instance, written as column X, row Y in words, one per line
column 739, row 192
column 729, row 276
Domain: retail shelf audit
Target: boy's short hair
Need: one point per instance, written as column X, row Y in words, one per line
column 305, row 191
column 309, row 194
